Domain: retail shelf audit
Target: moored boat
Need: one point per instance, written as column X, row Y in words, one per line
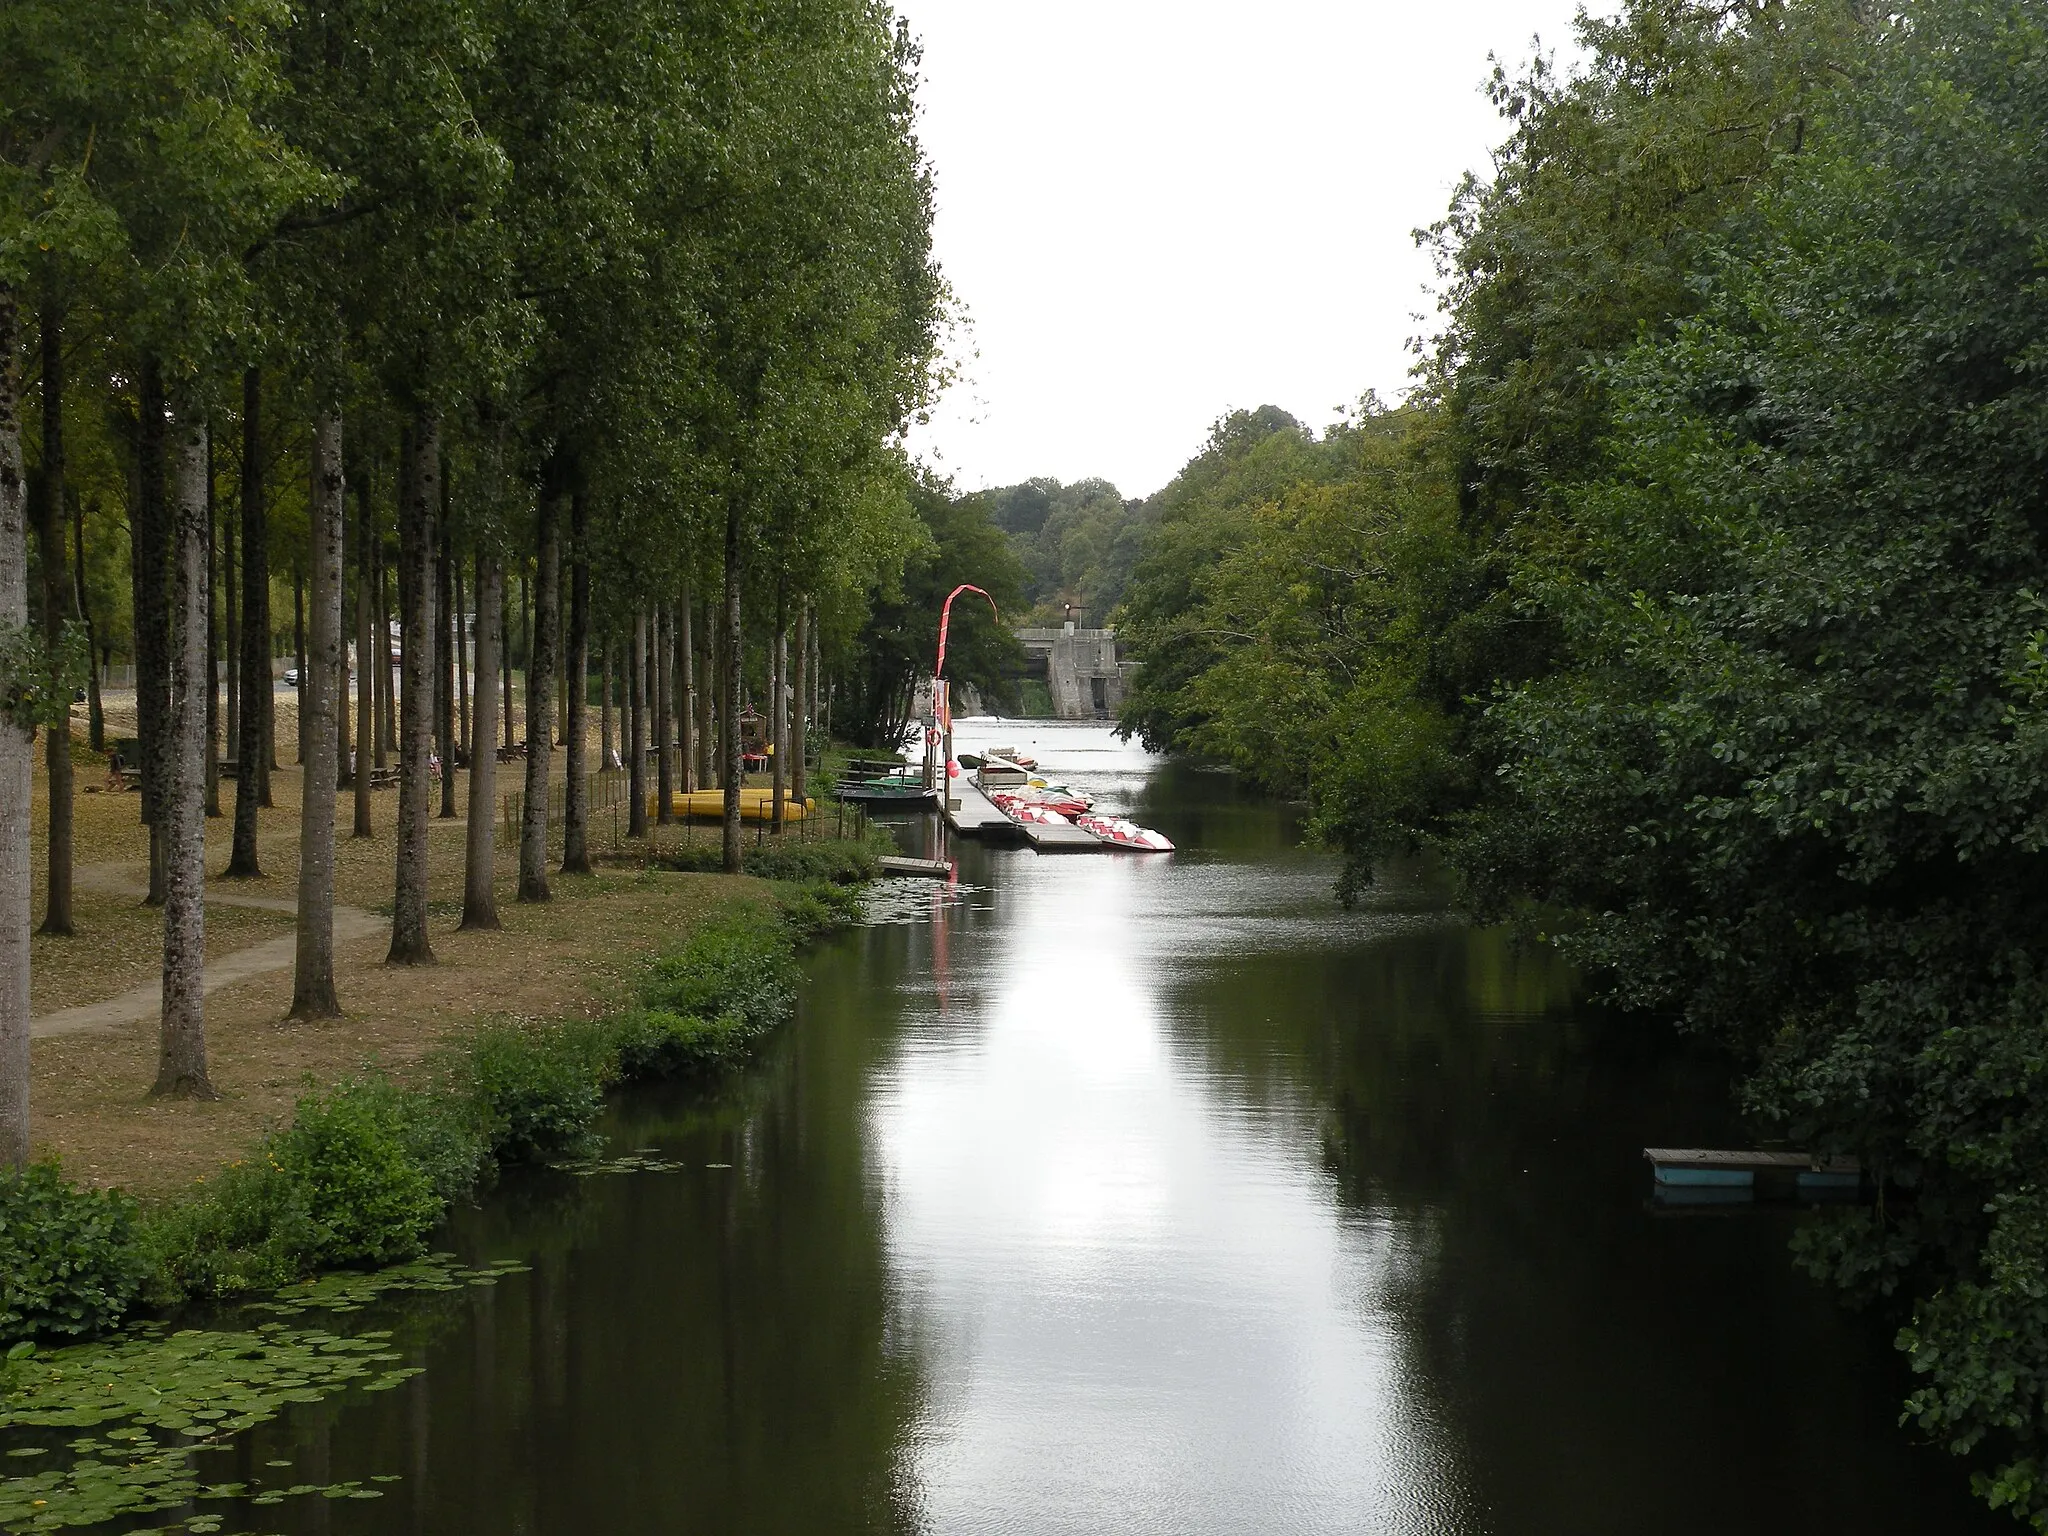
column 755, row 804
column 1124, row 834
column 1020, row 809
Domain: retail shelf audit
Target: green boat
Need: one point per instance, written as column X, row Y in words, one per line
column 885, row 783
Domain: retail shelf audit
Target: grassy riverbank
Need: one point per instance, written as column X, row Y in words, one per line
column 369, row 1165
column 342, row 1143
column 575, row 956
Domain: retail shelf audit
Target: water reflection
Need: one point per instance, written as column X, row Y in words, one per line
column 1136, row 1194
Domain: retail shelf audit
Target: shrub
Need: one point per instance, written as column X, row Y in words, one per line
column 367, row 1168
column 741, row 965
column 251, row 1229
column 369, row 1197
column 537, row 1088
column 817, row 908
column 655, row 1042
column 841, row 861
column 69, row 1264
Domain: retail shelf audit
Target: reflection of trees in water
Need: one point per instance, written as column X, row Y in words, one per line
column 704, row 1350
column 1488, row 1132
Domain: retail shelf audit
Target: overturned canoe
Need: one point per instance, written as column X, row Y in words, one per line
column 755, row 805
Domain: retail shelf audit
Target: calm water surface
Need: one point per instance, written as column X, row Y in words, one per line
column 1126, row 1194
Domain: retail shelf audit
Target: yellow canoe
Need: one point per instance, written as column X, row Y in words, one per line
column 755, row 804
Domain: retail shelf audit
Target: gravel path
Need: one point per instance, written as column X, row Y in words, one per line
column 145, row 1001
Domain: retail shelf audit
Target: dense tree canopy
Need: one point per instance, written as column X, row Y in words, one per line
column 616, row 311
column 1691, row 609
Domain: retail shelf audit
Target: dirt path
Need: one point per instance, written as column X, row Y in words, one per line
column 146, row 1000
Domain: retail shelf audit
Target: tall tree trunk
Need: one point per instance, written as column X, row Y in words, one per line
column 778, row 709
column 540, row 707
column 95, row 710
column 663, row 690
column 17, row 746
column 505, row 651
column 148, row 547
column 49, row 520
column 214, row 586
column 366, row 656
column 686, row 690
column 799, row 733
column 444, row 658
column 299, row 654
column 231, row 600
column 380, row 639
column 457, row 639
column 319, row 688
column 730, row 653
column 417, row 513
column 575, row 792
column 707, row 705
column 253, row 668
column 479, row 900
column 387, row 662
column 605, row 745
column 181, row 1041
column 344, row 752
column 636, row 730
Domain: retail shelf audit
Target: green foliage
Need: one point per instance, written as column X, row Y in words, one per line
column 900, row 641
column 839, row 861
column 1251, row 459
column 69, row 1265
column 539, row 1086
column 1078, row 543
column 1787, row 770
column 348, row 1152
column 741, row 966
column 818, row 907
column 1697, row 603
column 36, row 683
column 659, row 1042
column 366, row 1169
column 249, row 1229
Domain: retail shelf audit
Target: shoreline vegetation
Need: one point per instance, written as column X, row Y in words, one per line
column 342, row 1145
column 106, row 1406
column 370, row 1164
column 1689, row 608
column 336, row 1150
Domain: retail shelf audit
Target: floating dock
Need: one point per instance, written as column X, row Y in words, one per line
column 930, row 869
column 973, row 814
column 969, row 811
column 1059, row 837
column 1704, row 1168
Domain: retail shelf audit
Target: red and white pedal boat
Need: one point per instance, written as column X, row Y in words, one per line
column 1124, row 834
column 1018, row 808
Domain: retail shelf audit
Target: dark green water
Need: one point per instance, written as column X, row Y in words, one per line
column 1123, row 1194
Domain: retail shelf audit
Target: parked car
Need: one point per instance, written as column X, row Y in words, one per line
column 291, row 677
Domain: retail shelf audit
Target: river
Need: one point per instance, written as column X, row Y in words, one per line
column 1146, row 1194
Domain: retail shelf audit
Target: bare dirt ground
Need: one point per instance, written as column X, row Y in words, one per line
column 573, row 955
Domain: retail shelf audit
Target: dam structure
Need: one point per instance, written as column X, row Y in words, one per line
column 1083, row 668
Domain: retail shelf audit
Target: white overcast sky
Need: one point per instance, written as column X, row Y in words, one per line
column 1156, row 211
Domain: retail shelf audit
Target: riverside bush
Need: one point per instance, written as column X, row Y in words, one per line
column 743, row 965
column 69, row 1263
column 368, row 1167
column 538, row 1086
column 371, row 1200
column 841, row 861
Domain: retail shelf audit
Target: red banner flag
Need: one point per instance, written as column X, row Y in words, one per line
column 946, row 620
